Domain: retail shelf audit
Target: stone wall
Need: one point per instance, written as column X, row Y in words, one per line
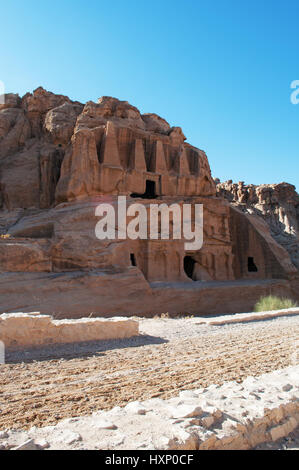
column 19, row 330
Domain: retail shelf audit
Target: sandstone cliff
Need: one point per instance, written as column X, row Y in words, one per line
column 277, row 204
column 52, row 150
column 60, row 158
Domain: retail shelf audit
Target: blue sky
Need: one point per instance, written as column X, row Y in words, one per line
column 221, row 70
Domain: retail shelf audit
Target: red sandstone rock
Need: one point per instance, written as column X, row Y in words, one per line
column 59, row 159
column 11, row 100
column 60, row 122
column 276, row 204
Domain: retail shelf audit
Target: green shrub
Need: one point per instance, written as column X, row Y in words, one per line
column 271, row 302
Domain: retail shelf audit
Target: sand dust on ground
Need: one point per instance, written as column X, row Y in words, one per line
column 172, row 355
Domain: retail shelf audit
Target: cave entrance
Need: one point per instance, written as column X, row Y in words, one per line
column 150, row 191
column 252, row 268
column 189, row 264
column 133, row 259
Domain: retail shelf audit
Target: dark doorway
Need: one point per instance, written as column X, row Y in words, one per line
column 252, row 268
column 133, row 259
column 150, row 191
column 189, row 264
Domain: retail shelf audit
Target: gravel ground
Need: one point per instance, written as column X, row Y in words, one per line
column 43, row 386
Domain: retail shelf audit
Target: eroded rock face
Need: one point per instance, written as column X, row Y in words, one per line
column 10, row 100
column 119, row 149
column 277, row 204
column 37, row 105
column 14, row 130
column 60, row 122
column 59, row 159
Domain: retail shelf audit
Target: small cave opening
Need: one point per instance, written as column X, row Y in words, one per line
column 150, row 191
column 133, row 259
column 189, row 264
column 252, row 268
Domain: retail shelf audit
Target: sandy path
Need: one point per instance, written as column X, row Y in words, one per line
column 41, row 392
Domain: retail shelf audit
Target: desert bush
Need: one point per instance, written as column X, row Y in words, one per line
column 272, row 302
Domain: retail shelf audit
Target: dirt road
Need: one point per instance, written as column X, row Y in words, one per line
column 171, row 355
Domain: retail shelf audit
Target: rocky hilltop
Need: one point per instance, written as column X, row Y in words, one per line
column 51, row 149
column 60, row 158
column 277, row 204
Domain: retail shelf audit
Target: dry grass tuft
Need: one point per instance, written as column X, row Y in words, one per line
column 271, row 302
